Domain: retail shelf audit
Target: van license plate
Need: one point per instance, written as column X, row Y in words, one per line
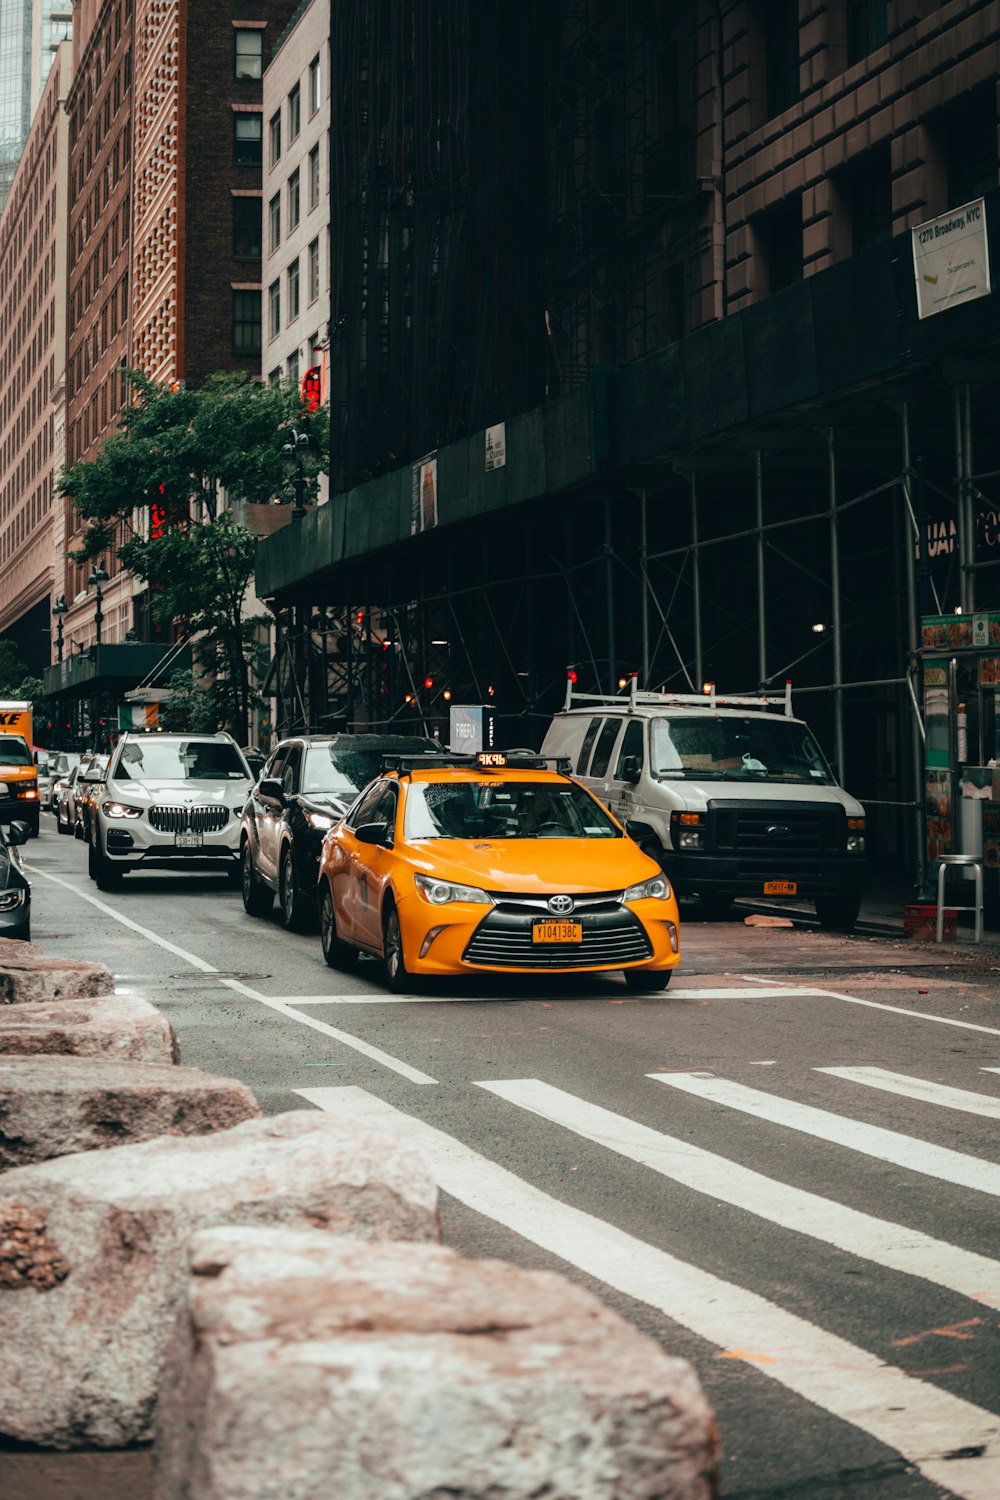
column 780, row 888
column 557, row 932
column 189, row 840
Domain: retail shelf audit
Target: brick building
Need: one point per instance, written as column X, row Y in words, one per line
column 32, row 358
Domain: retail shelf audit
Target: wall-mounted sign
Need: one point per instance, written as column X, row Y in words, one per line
column 496, row 447
column 951, row 260
column 312, row 389
column 424, row 494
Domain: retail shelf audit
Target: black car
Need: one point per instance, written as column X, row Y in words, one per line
column 307, row 785
column 15, row 888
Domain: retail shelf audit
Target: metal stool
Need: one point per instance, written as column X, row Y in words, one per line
column 971, row 862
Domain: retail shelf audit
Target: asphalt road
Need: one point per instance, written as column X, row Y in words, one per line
column 786, row 1168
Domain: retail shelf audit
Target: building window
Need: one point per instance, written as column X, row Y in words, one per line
column 246, row 228
column 867, row 188
column 867, row 27
column 779, row 234
column 315, row 85
column 314, row 270
column 246, row 322
column 293, row 290
column 274, row 224
column 293, row 368
column 294, row 113
column 275, row 377
column 276, row 138
column 314, row 177
column 780, row 29
column 969, row 130
column 274, row 309
column 247, row 140
column 294, row 206
column 249, row 54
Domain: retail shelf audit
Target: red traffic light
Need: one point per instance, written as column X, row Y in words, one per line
column 428, row 683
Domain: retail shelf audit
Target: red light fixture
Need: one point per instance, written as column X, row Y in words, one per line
column 428, row 683
column 570, row 676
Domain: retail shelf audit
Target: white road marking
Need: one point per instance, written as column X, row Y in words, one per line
column 989, row 1070
column 895, row 1246
column 919, row 1421
column 738, row 992
column 897, row 1010
column 920, row 1088
column 381, row 997
column 414, row 1074
column 872, row 1140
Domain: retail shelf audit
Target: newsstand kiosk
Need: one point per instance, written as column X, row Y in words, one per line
column 961, row 681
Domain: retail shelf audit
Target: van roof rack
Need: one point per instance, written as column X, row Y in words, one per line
column 709, row 699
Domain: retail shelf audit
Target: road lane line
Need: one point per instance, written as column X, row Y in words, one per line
column 919, row 1421
column 896, row 1010
column 871, row 1140
column 344, row 1037
column 894, row 1246
column 381, row 997
column 919, row 1088
column 737, row 992
column 152, row 937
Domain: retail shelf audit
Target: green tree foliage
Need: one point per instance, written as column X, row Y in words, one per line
column 190, row 707
column 183, row 456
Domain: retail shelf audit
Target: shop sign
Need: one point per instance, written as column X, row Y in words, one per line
column 951, row 260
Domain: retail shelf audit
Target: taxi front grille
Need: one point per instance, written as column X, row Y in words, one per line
column 188, row 819
column 610, row 938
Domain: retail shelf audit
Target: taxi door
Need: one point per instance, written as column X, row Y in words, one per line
column 371, row 870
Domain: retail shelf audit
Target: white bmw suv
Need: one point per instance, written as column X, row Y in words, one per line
column 169, row 802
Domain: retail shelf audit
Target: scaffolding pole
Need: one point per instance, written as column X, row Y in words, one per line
column 758, row 478
column 912, row 544
column 699, row 665
column 835, row 620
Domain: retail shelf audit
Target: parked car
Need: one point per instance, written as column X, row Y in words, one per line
column 18, row 782
column 61, row 763
column 64, row 797
column 43, row 767
column 731, row 795
column 168, row 802
column 309, row 782
column 496, row 864
column 88, row 786
column 15, row 888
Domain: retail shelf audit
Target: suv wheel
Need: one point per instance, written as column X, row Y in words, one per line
column 293, row 906
column 337, row 954
column 257, row 897
column 107, row 874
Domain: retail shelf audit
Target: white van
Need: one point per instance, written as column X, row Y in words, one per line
column 733, row 796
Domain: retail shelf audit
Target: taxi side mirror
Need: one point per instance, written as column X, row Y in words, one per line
column 631, row 769
column 374, row 833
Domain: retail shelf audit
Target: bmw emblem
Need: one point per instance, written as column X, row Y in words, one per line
column 561, row 906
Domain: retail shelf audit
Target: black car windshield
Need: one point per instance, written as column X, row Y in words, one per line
column 733, row 748
column 14, row 751
column 497, row 809
column 154, row 759
column 347, row 769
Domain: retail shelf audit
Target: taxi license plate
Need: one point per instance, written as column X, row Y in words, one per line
column 557, row 932
column 780, row 888
column 189, row 840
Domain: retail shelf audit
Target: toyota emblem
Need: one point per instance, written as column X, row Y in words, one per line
column 561, row 906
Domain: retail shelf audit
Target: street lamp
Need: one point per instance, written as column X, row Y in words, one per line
column 97, row 577
column 59, row 609
column 299, row 443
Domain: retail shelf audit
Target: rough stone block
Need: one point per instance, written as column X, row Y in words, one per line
column 119, row 1026
column 306, row 1366
column 52, row 1106
column 93, row 1257
column 30, row 979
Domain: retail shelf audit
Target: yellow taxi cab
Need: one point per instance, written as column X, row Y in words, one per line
column 492, row 863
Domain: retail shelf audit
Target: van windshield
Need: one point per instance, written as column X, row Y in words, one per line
column 14, row 751
column 733, row 748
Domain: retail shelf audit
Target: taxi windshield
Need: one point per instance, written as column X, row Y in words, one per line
column 734, row 748
column 496, row 809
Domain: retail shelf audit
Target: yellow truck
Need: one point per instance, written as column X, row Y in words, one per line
column 18, row 772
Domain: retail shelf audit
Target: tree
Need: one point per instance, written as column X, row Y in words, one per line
column 156, row 495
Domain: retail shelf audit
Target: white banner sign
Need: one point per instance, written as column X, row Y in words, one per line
column 496, row 447
column 951, row 261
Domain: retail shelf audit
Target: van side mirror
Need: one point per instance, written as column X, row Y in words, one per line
column 631, row 769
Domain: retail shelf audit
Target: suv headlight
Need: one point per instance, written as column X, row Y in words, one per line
column 657, row 889
column 440, row 892
column 9, row 900
column 321, row 821
column 120, row 810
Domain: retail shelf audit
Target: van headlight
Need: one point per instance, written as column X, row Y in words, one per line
column 440, row 892
column 657, row 889
column 855, row 835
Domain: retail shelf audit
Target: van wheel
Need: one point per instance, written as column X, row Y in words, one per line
column 646, row 982
column 716, row 906
column 838, row 913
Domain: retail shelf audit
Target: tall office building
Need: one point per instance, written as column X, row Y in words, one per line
column 30, row 32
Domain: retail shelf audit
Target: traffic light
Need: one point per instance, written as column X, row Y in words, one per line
column 428, row 683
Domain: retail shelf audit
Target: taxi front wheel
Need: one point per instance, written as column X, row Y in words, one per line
column 645, row 982
column 397, row 976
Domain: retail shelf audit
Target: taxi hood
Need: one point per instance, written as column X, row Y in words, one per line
column 547, row 866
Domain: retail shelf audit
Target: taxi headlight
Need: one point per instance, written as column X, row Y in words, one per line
column 320, row 821
column 120, row 810
column 657, row 889
column 440, row 892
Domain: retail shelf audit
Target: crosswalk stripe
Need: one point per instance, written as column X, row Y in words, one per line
column 744, row 992
column 920, row 1088
column 870, row 1140
column 894, row 1246
column 918, row 1420
column 897, row 1010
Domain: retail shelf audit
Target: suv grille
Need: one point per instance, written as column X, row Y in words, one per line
column 188, row 819
column 612, row 935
